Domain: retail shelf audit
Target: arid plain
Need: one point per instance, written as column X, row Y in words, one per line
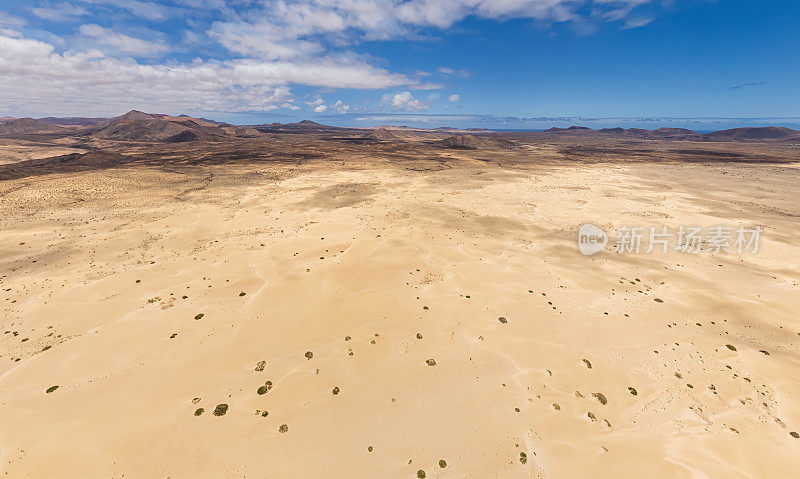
column 313, row 303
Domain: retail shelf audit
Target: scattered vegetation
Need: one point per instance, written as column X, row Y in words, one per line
column 221, row 409
column 265, row 388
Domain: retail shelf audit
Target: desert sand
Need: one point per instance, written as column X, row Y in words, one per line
column 342, row 318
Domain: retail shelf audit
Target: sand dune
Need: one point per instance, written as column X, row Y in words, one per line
column 310, row 321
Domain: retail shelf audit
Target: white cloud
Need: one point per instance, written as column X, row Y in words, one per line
column 263, row 40
column 317, row 101
column 276, row 43
column 122, row 42
column 62, row 12
column 341, row 106
column 38, row 79
column 321, row 109
column 281, row 29
column 454, row 98
column 404, row 101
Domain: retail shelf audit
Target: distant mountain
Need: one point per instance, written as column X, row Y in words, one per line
column 304, row 126
column 556, row 129
column 657, row 134
column 139, row 126
column 23, row 126
column 475, row 142
column 382, row 134
column 137, row 115
column 213, row 122
column 762, row 133
column 674, row 131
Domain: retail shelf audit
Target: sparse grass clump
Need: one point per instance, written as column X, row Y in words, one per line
column 600, row 397
column 523, row 458
column 51, row 389
column 199, row 411
column 221, row 409
column 421, row 474
column 265, row 388
column 442, row 463
column 199, row 316
column 731, row 347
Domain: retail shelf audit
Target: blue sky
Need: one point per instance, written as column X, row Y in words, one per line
column 510, row 64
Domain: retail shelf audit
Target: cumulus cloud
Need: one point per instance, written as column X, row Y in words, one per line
column 454, row 98
column 341, row 106
column 317, row 101
column 404, row 101
column 321, row 109
column 269, row 46
column 122, row 42
column 281, row 29
column 36, row 78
